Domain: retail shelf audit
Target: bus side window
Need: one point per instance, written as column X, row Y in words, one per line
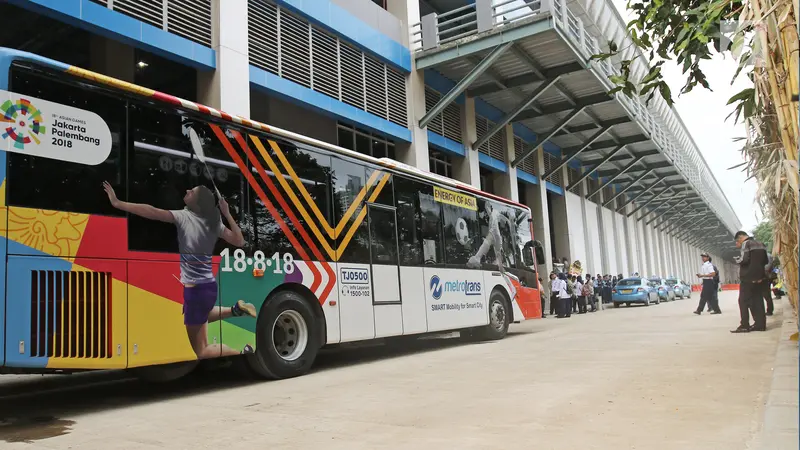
column 349, row 180
column 461, row 239
column 523, row 237
column 408, row 224
column 431, row 219
column 42, row 183
column 162, row 167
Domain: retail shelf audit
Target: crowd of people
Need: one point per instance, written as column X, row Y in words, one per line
column 573, row 294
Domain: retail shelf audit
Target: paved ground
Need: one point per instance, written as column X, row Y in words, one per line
column 629, row 378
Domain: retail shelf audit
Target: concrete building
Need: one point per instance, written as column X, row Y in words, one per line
column 499, row 94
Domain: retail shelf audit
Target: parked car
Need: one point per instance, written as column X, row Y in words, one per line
column 665, row 291
column 682, row 290
column 634, row 290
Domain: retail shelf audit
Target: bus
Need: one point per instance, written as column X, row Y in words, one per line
column 143, row 231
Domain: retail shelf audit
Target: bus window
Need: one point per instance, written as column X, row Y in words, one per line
column 348, row 180
column 431, row 220
column 408, row 224
column 498, row 235
column 461, row 239
column 386, row 194
column 162, row 167
column 523, row 237
column 42, row 183
column 383, row 237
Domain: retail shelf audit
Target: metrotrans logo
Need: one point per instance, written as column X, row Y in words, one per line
column 22, row 122
column 438, row 287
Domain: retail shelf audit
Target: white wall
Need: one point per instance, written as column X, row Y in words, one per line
column 594, row 237
column 576, row 229
column 622, row 244
column 611, row 243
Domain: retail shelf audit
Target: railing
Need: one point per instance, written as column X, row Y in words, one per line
column 668, row 133
column 439, row 29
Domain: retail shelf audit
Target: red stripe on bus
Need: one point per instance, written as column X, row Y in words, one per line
column 272, row 188
column 263, row 196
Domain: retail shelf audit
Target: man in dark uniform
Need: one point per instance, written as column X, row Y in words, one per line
column 770, row 274
column 708, row 294
column 752, row 261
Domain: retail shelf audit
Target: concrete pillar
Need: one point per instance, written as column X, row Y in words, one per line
column 467, row 169
column 583, row 191
column 506, row 183
column 537, row 197
column 415, row 153
column 602, row 228
column 112, row 58
column 560, row 227
column 228, row 87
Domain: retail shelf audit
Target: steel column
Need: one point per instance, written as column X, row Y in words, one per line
column 524, row 104
column 462, row 85
column 589, row 172
column 618, row 174
column 564, row 161
column 630, row 185
column 550, row 134
column 644, row 191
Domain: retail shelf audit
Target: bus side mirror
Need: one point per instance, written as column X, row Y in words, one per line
column 539, row 249
column 527, row 256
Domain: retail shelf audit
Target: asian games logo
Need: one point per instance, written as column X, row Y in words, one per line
column 22, row 122
column 436, row 287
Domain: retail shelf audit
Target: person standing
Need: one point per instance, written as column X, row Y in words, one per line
column 578, row 295
column 560, row 290
column 708, row 294
column 589, row 288
column 752, row 261
column 554, row 299
column 572, row 297
column 770, row 275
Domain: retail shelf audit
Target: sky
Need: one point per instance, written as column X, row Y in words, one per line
column 704, row 114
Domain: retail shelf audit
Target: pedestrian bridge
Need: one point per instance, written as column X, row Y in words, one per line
column 532, row 59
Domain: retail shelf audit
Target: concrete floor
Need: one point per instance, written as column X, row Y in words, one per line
column 652, row 378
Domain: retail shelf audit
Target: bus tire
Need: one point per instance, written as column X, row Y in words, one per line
column 287, row 337
column 499, row 317
column 164, row 373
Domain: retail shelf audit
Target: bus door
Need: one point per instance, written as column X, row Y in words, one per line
column 385, row 278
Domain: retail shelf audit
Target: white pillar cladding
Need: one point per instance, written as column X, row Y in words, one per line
column 467, row 169
column 621, row 238
column 506, row 183
column 592, row 223
column 611, row 240
column 537, row 197
column 561, row 232
column 641, row 243
column 415, row 153
column 576, row 226
column 588, row 263
column 634, row 244
column 227, row 87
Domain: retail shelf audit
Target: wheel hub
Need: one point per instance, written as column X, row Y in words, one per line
column 290, row 335
column 497, row 315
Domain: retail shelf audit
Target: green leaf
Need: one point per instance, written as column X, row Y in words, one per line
column 616, row 79
column 744, row 94
column 655, row 72
column 612, row 46
column 615, row 90
column 665, row 92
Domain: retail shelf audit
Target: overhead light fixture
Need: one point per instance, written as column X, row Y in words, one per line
column 142, row 64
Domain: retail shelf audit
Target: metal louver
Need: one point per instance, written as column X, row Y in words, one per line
column 190, row 19
column 495, row 146
column 290, row 47
column 550, row 162
column 448, row 123
column 528, row 164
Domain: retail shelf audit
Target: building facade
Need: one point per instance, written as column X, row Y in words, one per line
column 501, row 95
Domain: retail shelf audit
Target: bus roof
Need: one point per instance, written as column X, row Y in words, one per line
column 9, row 55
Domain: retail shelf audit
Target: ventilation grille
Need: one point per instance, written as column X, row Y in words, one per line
column 448, row 123
column 573, row 176
column 190, row 19
column 495, row 146
column 528, row 164
column 290, row 47
column 70, row 314
column 550, row 163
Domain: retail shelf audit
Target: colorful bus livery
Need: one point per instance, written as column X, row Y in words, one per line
column 129, row 262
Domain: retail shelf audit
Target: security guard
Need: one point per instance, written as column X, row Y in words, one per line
column 708, row 294
column 752, row 277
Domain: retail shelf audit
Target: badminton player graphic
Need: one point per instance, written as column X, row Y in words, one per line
column 199, row 226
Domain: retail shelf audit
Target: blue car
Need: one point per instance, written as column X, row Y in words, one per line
column 665, row 291
column 634, row 290
column 682, row 290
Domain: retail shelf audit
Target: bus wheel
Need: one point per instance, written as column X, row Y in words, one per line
column 164, row 373
column 287, row 337
column 499, row 318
